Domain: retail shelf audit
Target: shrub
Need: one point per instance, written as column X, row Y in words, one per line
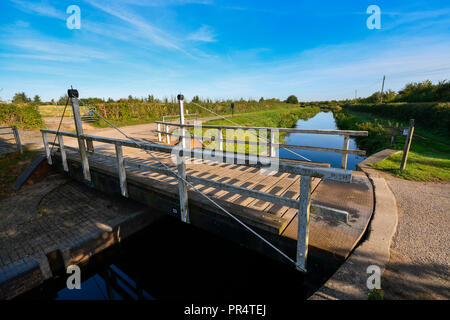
column 22, row 116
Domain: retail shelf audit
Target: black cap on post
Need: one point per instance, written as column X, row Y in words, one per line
column 180, row 97
column 72, row 93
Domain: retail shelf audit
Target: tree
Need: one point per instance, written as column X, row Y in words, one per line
column 292, row 99
column 37, row 99
column 261, row 100
column 20, row 97
column 62, row 100
column 196, row 99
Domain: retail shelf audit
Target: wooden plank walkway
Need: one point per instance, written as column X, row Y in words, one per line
column 335, row 237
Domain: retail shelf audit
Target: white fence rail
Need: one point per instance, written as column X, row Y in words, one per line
column 163, row 129
column 5, row 131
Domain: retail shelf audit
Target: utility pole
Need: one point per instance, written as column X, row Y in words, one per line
column 382, row 90
column 356, row 94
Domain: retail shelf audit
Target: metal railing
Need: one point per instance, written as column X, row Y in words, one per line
column 271, row 143
column 16, row 137
column 306, row 172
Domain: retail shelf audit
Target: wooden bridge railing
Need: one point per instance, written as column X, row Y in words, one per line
column 12, row 131
column 271, row 143
column 306, row 172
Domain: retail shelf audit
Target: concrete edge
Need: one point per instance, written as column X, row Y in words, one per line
column 349, row 282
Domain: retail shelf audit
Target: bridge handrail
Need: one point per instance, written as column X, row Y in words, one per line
column 244, row 159
column 272, row 144
column 15, row 133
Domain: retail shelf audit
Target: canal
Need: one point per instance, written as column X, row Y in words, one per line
column 322, row 120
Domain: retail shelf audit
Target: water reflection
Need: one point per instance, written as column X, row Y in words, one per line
column 323, row 120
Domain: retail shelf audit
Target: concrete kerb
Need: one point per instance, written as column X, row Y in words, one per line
column 350, row 281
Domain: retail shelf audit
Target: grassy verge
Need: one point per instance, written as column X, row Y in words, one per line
column 277, row 118
column 11, row 166
column 418, row 167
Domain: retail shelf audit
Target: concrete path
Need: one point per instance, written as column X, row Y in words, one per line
column 419, row 267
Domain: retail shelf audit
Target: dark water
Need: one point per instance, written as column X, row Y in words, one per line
column 172, row 260
column 323, row 120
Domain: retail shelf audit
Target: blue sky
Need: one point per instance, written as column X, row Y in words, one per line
column 317, row 50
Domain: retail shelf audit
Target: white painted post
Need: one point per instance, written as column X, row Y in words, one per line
column 47, row 148
column 220, row 138
column 63, row 153
column 122, row 172
column 167, row 134
column 272, row 144
column 73, row 94
column 303, row 222
column 345, row 155
column 180, row 98
column 182, row 189
column 17, row 138
column 159, row 132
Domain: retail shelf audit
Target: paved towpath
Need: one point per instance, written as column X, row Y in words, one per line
column 419, row 267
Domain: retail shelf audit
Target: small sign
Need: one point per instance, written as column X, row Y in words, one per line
column 405, row 132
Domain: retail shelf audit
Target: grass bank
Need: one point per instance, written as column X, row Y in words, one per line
column 277, row 118
column 429, row 159
column 435, row 115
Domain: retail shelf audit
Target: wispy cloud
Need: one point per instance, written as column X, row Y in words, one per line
column 40, row 8
column 204, row 34
column 144, row 28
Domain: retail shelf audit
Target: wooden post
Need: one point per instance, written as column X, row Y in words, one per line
column 182, row 189
column 79, row 129
column 47, row 148
column 122, row 172
column 89, row 145
column 303, row 222
column 345, row 154
column 17, row 138
column 159, row 132
column 407, row 144
column 63, row 153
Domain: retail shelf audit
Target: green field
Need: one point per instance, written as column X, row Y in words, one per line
column 57, row 111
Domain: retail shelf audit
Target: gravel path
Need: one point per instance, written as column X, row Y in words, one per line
column 420, row 257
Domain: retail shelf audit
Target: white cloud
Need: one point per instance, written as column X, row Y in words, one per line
column 204, row 34
column 40, row 8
